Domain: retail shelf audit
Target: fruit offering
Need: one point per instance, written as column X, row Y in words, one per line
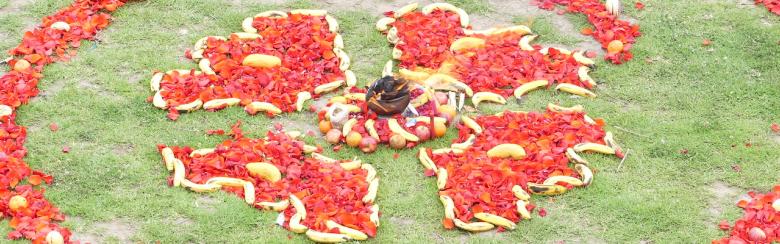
column 615, row 35
column 280, row 60
column 327, row 199
column 436, row 47
column 487, row 177
column 347, row 118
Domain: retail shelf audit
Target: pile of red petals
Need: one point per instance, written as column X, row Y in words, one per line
column 21, row 197
column 327, row 190
column 427, row 112
column 309, row 53
column 608, row 27
column 760, row 222
column 480, row 184
column 772, row 5
column 500, row 66
column 425, row 39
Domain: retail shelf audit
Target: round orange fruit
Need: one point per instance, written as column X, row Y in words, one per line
column 615, row 46
column 325, row 126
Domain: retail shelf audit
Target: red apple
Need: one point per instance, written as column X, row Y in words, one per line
column 368, row 144
column 333, row 136
column 423, row 133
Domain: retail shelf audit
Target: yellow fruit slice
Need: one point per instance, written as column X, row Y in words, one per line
column 256, row 107
column 373, row 187
column 396, row 128
column 520, row 193
column 275, row 206
column 469, row 122
column 552, row 180
column 473, row 226
column 261, row 61
column 496, row 220
column 323, row 237
column 465, row 43
column 568, row 110
column 487, row 96
column 525, row 42
column 574, row 89
column 506, row 151
column 546, row 190
column 593, row 147
column 266, row 171
column 352, row 233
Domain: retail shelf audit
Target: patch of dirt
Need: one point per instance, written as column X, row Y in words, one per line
column 294, row 125
column 492, row 234
column 89, row 85
column 14, row 6
column 375, row 7
column 630, row 107
column 206, row 203
column 135, row 78
column 51, row 89
column 775, row 138
column 745, row 3
column 723, row 195
column 120, row 229
column 179, row 221
column 765, row 21
column 438, row 237
column 122, row 149
column 402, row 221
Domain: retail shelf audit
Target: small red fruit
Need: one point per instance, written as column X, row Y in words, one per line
column 368, row 144
column 423, row 133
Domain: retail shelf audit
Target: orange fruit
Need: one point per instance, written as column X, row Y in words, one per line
column 353, row 139
column 17, row 202
column 325, row 126
column 439, row 129
column 615, row 46
column 21, row 65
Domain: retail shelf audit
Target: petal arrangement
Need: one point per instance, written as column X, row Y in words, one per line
column 55, row 39
column 279, row 61
column 759, row 224
column 772, row 5
column 437, row 48
column 615, row 35
column 400, row 132
column 484, row 179
column 327, row 199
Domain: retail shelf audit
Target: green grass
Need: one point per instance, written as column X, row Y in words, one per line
column 675, row 95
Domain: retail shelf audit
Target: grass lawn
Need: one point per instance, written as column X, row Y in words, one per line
column 695, row 119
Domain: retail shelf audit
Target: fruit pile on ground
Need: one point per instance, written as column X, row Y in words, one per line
column 485, row 179
column 279, row 61
column 363, row 128
column 55, row 39
column 615, row 35
column 436, row 47
column 759, row 224
column 332, row 200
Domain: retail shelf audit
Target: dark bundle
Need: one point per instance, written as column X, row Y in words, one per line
column 388, row 95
